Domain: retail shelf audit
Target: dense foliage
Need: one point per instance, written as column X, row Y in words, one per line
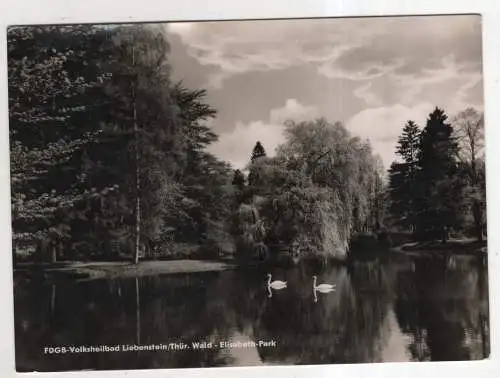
column 438, row 189
column 403, row 177
column 54, row 101
column 105, row 150
column 318, row 190
column 109, row 160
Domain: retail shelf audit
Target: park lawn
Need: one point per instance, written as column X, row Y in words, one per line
column 95, row 270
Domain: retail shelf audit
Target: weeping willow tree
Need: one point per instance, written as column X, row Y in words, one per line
column 316, row 192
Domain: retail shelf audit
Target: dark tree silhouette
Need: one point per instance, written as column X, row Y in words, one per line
column 258, row 152
column 402, row 177
column 439, row 188
column 238, row 179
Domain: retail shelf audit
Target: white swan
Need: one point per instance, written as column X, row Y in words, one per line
column 322, row 288
column 277, row 285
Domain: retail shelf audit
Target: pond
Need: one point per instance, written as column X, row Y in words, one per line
column 385, row 310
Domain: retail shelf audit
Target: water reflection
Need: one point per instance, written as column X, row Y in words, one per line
column 418, row 310
column 443, row 304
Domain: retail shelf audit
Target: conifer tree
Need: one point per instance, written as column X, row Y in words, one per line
column 258, row 152
column 439, row 188
column 402, row 176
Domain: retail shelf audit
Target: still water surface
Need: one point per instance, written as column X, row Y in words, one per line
column 414, row 309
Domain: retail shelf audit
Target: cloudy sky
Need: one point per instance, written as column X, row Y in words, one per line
column 371, row 74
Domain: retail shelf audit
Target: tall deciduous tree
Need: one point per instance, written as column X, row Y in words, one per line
column 144, row 120
column 469, row 130
column 468, row 126
column 379, row 205
column 98, row 128
column 397, row 184
column 317, row 191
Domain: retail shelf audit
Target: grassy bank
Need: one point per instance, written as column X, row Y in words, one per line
column 95, row 270
column 455, row 246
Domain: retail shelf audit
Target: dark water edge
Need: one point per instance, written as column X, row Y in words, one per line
column 393, row 308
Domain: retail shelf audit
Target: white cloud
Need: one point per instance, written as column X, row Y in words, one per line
column 366, row 94
column 460, row 96
column 238, row 47
column 293, row 110
column 372, row 71
column 383, row 125
column 181, row 28
column 412, row 84
column 354, row 49
column 236, row 147
column 380, row 125
column 448, row 84
column 400, row 66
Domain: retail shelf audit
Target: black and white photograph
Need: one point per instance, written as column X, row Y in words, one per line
column 234, row 193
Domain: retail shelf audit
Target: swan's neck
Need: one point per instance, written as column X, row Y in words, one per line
column 269, row 280
column 314, row 281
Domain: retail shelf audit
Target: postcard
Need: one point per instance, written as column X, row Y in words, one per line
column 248, row 193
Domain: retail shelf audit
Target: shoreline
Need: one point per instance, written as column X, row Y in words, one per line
column 122, row 269
column 82, row 271
column 437, row 248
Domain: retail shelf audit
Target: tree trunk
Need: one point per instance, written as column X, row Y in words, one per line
column 53, row 253
column 476, row 206
column 53, row 300
column 479, row 232
column 41, row 251
column 138, row 198
column 14, row 255
column 138, row 311
column 444, row 237
column 137, row 173
column 478, row 224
